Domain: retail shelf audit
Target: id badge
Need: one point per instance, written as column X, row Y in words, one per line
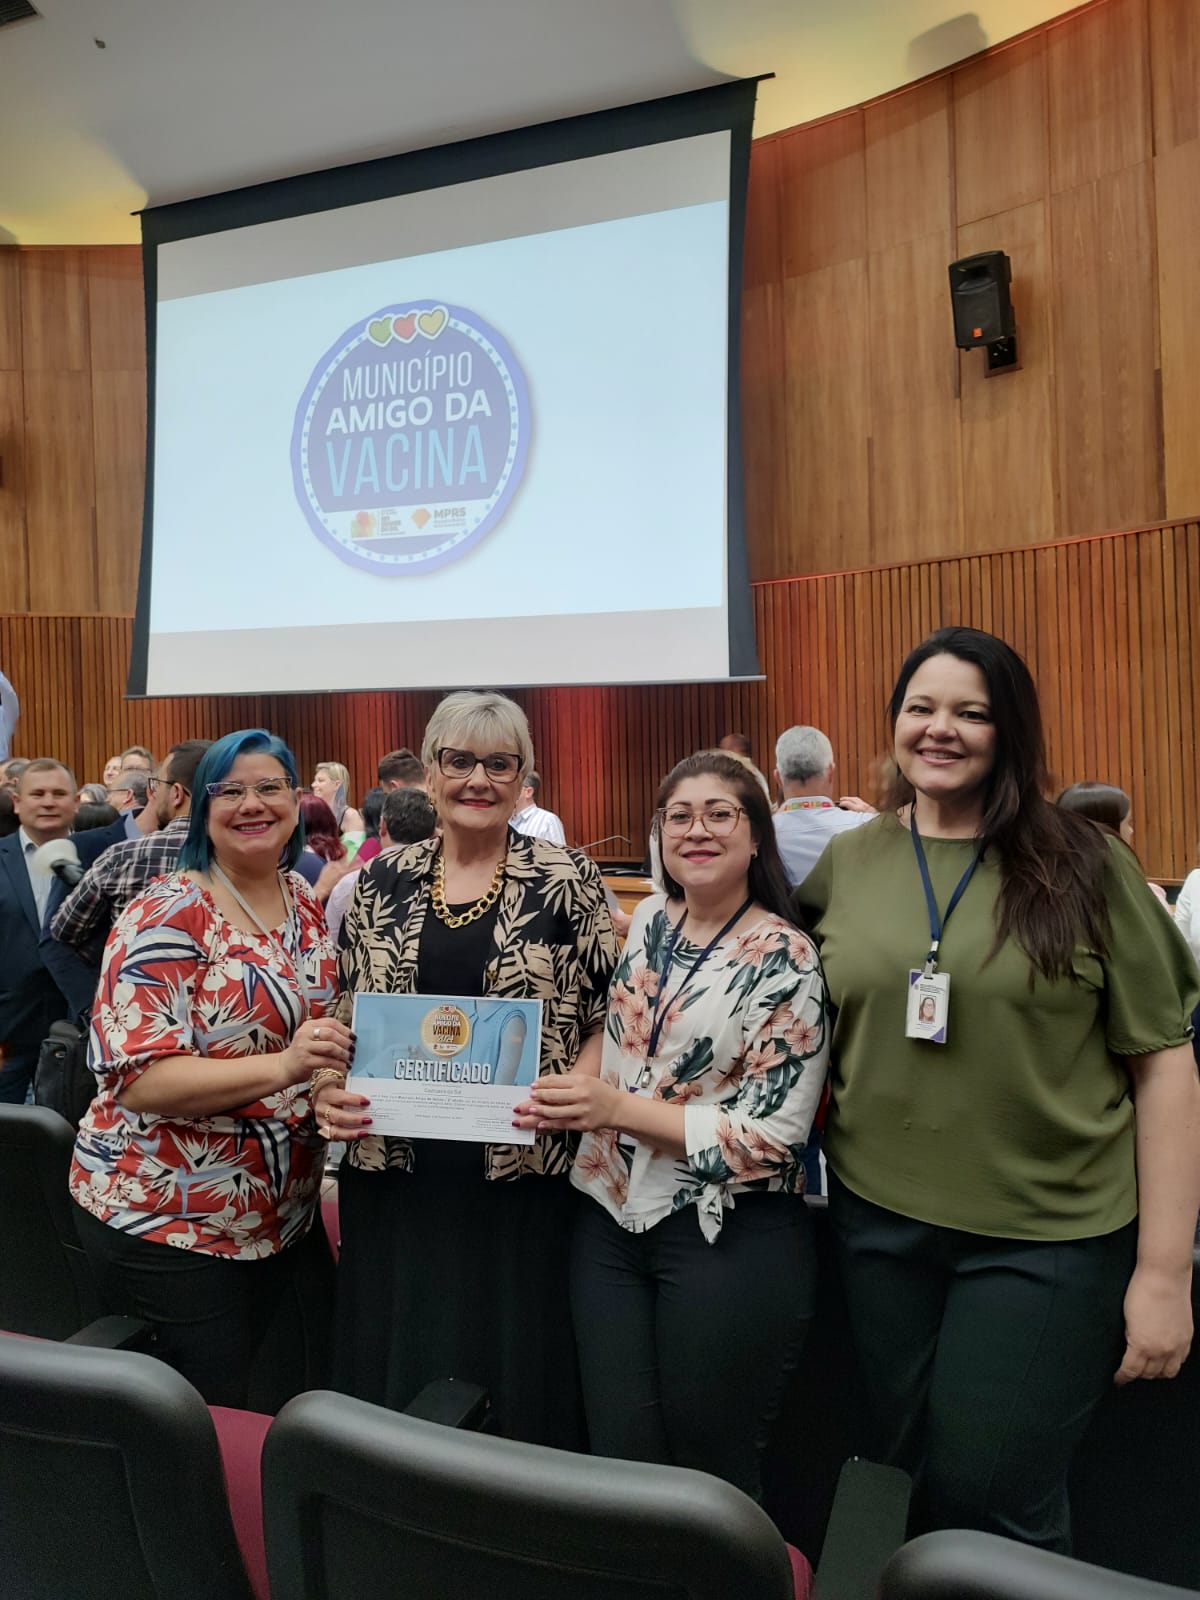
column 928, row 1006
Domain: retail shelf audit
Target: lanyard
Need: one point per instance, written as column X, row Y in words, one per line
column 661, row 1006
column 937, row 924
column 294, row 955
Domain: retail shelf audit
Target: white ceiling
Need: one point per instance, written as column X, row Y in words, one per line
column 190, row 97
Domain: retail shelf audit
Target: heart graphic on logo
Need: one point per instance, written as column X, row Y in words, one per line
column 406, row 327
column 380, row 330
column 420, row 517
column 431, row 323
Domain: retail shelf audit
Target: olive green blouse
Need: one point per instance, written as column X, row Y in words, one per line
column 1021, row 1125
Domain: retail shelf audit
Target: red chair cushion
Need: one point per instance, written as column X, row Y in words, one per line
column 802, row 1573
column 240, row 1435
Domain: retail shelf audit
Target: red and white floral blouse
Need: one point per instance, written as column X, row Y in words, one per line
column 178, row 979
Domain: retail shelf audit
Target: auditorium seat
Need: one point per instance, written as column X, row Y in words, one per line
column 113, row 1481
column 46, row 1287
column 956, row 1565
column 351, row 1491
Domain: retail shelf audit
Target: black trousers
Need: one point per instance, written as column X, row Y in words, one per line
column 685, row 1347
column 209, row 1313
column 984, row 1358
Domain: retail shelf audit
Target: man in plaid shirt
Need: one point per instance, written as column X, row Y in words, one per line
column 126, row 868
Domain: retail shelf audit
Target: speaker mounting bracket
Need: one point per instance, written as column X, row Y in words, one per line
column 1002, row 356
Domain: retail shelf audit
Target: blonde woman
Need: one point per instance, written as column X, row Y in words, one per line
column 331, row 783
column 454, row 1255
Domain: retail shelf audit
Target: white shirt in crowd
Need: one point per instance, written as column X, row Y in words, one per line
column 539, row 824
column 1187, row 912
column 40, row 882
column 805, row 826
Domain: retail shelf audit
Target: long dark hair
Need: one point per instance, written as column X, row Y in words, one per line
column 766, row 880
column 1052, row 862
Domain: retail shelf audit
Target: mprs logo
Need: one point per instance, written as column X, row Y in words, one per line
column 411, row 438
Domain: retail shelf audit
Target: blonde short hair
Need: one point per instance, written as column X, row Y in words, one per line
column 337, row 772
column 473, row 717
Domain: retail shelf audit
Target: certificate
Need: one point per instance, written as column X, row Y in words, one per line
column 437, row 1066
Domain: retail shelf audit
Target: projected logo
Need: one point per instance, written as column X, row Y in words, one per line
column 411, row 438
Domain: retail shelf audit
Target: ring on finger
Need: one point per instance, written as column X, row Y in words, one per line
column 316, row 1033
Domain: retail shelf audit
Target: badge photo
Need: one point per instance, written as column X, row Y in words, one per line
column 928, row 1008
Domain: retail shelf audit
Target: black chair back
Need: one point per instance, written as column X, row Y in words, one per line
column 351, row 1491
column 46, row 1287
column 978, row 1566
column 111, row 1484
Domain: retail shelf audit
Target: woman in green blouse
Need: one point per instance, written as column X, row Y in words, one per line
column 1014, row 1184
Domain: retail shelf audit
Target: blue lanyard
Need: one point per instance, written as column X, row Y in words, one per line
column 658, row 1012
column 937, row 923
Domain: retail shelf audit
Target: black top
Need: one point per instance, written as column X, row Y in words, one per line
column 454, row 960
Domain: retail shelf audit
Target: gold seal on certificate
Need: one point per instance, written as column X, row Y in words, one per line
column 446, row 1066
column 446, row 1030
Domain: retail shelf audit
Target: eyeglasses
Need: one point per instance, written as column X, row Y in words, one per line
column 501, row 766
column 719, row 821
column 155, row 784
column 235, row 793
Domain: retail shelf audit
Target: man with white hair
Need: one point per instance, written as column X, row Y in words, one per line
column 808, row 817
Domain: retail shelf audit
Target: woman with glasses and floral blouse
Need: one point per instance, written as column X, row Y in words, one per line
column 454, row 1255
column 197, row 1168
column 693, row 1272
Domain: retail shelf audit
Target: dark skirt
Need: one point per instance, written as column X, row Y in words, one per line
column 445, row 1274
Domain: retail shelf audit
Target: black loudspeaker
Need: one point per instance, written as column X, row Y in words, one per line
column 979, row 297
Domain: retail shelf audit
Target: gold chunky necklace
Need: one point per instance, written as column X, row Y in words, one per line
column 437, row 895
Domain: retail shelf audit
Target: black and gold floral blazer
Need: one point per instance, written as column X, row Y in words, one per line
column 553, row 942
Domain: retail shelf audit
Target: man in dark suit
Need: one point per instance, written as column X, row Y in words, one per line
column 30, row 998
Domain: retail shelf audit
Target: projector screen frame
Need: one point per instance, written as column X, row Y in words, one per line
column 723, row 108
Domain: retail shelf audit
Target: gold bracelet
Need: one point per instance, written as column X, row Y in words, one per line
column 325, row 1075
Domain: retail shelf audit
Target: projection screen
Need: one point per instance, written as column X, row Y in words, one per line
column 457, row 417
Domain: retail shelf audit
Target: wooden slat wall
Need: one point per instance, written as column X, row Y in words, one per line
column 870, row 439
column 1109, row 626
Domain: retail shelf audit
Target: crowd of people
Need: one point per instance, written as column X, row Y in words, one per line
column 973, row 985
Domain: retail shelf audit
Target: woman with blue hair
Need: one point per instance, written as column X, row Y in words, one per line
column 198, row 1166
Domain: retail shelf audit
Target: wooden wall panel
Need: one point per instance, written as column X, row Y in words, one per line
column 14, row 566
column 119, row 445
column 825, row 395
column 762, row 255
column 10, row 309
column 1175, row 71
column 1109, row 627
column 1000, row 130
column 1007, row 434
column 823, row 194
column 916, row 498
column 54, row 320
column 1177, row 186
column 908, row 164
column 59, row 492
column 116, row 314
column 1106, row 351
column 763, row 441
column 1099, row 81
